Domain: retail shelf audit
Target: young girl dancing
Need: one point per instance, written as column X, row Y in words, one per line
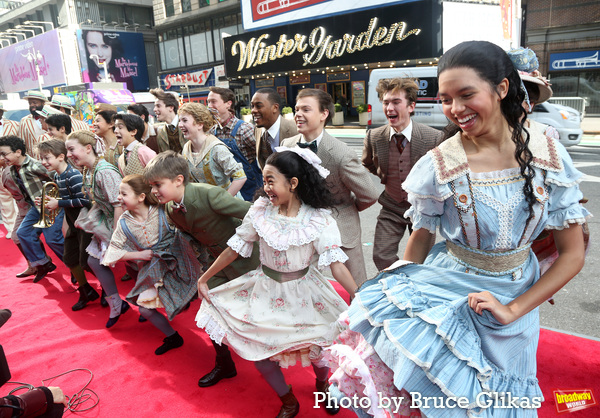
column 167, row 265
column 460, row 323
column 285, row 310
column 101, row 181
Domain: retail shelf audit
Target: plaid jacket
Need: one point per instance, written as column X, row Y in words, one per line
column 33, row 174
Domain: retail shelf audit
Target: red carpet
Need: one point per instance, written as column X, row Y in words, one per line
column 44, row 338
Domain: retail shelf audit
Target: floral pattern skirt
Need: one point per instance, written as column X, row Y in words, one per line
column 261, row 318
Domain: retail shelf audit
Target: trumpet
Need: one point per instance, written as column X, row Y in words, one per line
column 47, row 216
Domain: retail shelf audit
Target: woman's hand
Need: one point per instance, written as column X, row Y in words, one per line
column 203, row 290
column 485, row 300
column 145, row 255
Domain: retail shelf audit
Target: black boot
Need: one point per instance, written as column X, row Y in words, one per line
column 224, row 367
column 86, row 294
column 43, row 270
column 290, row 405
column 172, row 341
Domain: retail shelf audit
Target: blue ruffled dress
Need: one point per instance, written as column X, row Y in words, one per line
column 415, row 317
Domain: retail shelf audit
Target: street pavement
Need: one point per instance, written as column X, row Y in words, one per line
column 577, row 305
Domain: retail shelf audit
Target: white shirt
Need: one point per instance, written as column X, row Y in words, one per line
column 274, row 133
column 407, row 132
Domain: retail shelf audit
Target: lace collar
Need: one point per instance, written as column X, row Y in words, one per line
column 281, row 232
column 450, row 161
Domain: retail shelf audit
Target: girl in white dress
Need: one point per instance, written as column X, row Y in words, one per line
column 284, row 311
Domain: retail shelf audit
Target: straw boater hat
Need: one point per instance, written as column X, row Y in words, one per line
column 35, row 94
column 527, row 64
column 48, row 111
column 61, row 101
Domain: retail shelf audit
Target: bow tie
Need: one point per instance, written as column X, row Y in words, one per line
column 310, row 145
column 179, row 207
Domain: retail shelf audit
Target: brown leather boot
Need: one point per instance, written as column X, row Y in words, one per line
column 290, row 407
column 330, row 407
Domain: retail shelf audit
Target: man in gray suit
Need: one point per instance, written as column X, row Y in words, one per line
column 271, row 128
column 349, row 182
column 390, row 152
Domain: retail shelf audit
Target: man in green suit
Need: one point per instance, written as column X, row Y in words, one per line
column 210, row 215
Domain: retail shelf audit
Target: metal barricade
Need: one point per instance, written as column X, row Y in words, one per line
column 577, row 103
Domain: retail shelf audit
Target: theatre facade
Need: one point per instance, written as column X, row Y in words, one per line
column 335, row 53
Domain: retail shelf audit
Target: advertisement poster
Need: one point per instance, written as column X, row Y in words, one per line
column 17, row 73
column 113, row 56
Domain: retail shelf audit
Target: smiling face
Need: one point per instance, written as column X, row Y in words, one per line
column 163, row 113
column 51, row 162
column 128, row 199
column 35, row 105
column 278, row 188
column 8, row 156
column 470, row 102
column 80, row 155
column 188, row 126
column 101, row 127
column 167, row 190
column 397, row 109
column 309, row 118
column 264, row 112
column 96, row 46
column 124, row 137
column 57, row 133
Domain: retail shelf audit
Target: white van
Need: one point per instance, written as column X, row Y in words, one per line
column 428, row 109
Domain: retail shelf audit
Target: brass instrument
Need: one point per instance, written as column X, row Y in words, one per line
column 47, row 216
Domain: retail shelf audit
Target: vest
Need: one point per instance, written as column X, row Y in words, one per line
column 398, row 168
column 173, row 137
column 134, row 165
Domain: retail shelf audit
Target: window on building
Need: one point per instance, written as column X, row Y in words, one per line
column 169, row 8
column 172, row 54
column 203, row 3
column 186, row 5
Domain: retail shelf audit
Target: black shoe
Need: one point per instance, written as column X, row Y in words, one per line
column 142, row 319
column 113, row 321
column 5, row 315
column 103, row 301
column 73, row 279
column 86, row 294
column 221, row 371
column 31, row 271
column 43, row 270
column 174, row 341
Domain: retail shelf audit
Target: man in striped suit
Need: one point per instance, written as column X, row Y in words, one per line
column 30, row 127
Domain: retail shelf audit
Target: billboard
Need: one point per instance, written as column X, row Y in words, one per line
column 264, row 13
column 404, row 31
column 113, row 56
column 17, row 73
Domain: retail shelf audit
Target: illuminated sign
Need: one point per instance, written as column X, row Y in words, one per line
column 404, row 31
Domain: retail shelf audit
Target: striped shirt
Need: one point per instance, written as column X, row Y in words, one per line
column 69, row 188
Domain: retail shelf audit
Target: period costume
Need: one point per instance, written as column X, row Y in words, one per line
column 354, row 191
column 30, row 130
column 169, row 136
column 169, row 279
column 285, row 310
column 390, row 156
column 8, row 127
column 210, row 215
column 413, row 319
column 268, row 139
column 134, row 158
column 213, row 164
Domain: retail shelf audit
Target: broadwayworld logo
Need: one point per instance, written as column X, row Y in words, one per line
column 571, row 400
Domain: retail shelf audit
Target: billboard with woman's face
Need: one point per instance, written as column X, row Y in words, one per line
column 113, row 56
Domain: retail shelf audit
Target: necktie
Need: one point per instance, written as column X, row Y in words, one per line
column 400, row 142
column 172, row 128
column 310, row 145
column 179, row 207
column 126, row 156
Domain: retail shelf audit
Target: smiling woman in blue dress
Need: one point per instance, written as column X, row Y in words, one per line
column 462, row 320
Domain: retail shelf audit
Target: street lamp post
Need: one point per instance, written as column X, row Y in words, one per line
column 96, row 59
column 36, row 59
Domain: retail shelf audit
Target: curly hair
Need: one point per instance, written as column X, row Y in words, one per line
column 492, row 64
column 199, row 113
column 312, row 188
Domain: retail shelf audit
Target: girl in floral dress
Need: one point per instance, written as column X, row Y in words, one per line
column 167, row 266
column 458, row 326
column 101, row 182
column 284, row 311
